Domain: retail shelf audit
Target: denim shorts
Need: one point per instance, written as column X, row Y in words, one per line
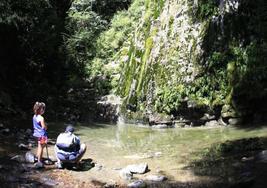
column 68, row 157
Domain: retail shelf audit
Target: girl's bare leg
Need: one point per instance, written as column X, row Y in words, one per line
column 40, row 151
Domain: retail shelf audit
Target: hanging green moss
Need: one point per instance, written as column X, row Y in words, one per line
column 148, row 47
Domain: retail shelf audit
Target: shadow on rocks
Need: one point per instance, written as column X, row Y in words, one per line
column 84, row 165
column 17, row 174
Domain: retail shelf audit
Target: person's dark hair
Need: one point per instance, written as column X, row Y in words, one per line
column 69, row 128
column 38, row 106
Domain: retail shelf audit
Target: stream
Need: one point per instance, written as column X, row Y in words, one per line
column 166, row 151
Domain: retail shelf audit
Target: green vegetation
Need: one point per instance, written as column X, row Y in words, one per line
column 32, row 59
column 232, row 58
column 224, row 72
column 47, row 48
column 157, row 55
column 206, row 9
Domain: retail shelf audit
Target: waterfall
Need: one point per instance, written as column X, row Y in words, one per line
column 150, row 96
column 121, row 120
column 195, row 3
column 221, row 12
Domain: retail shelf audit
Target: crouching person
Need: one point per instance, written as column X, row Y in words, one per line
column 68, row 148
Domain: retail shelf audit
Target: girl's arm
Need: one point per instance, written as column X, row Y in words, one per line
column 43, row 124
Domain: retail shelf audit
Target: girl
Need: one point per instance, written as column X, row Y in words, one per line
column 39, row 130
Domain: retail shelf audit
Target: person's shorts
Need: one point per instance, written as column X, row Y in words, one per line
column 71, row 157
column 42, row 139
column 68, row 157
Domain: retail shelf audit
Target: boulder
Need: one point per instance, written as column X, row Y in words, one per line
column 29, row 157
column 234, row 121
column 207, row 117
column 155, row 119
column 138, row 168
column 212, row 123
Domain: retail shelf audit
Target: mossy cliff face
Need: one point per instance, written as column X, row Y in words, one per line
column 194, row 54
column 162, row 54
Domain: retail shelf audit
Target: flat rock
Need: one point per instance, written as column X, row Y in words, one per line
column 138, row 168
column 157, row 178
column 18, row 158
column 23, row 147
column 137, row 184
column 161, row 126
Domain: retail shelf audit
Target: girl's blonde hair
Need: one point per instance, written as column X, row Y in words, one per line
column 38, row 106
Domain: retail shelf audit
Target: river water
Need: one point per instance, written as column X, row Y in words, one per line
column 166, row 151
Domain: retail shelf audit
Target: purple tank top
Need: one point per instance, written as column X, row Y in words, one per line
column 38, row 131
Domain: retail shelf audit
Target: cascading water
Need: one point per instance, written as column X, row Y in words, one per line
column 221, row 12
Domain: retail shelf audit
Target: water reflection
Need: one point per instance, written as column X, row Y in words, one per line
column 127, row 140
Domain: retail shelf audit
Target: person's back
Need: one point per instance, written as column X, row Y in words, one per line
column 38, row 130
column 68, row 148
column 67, row 142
